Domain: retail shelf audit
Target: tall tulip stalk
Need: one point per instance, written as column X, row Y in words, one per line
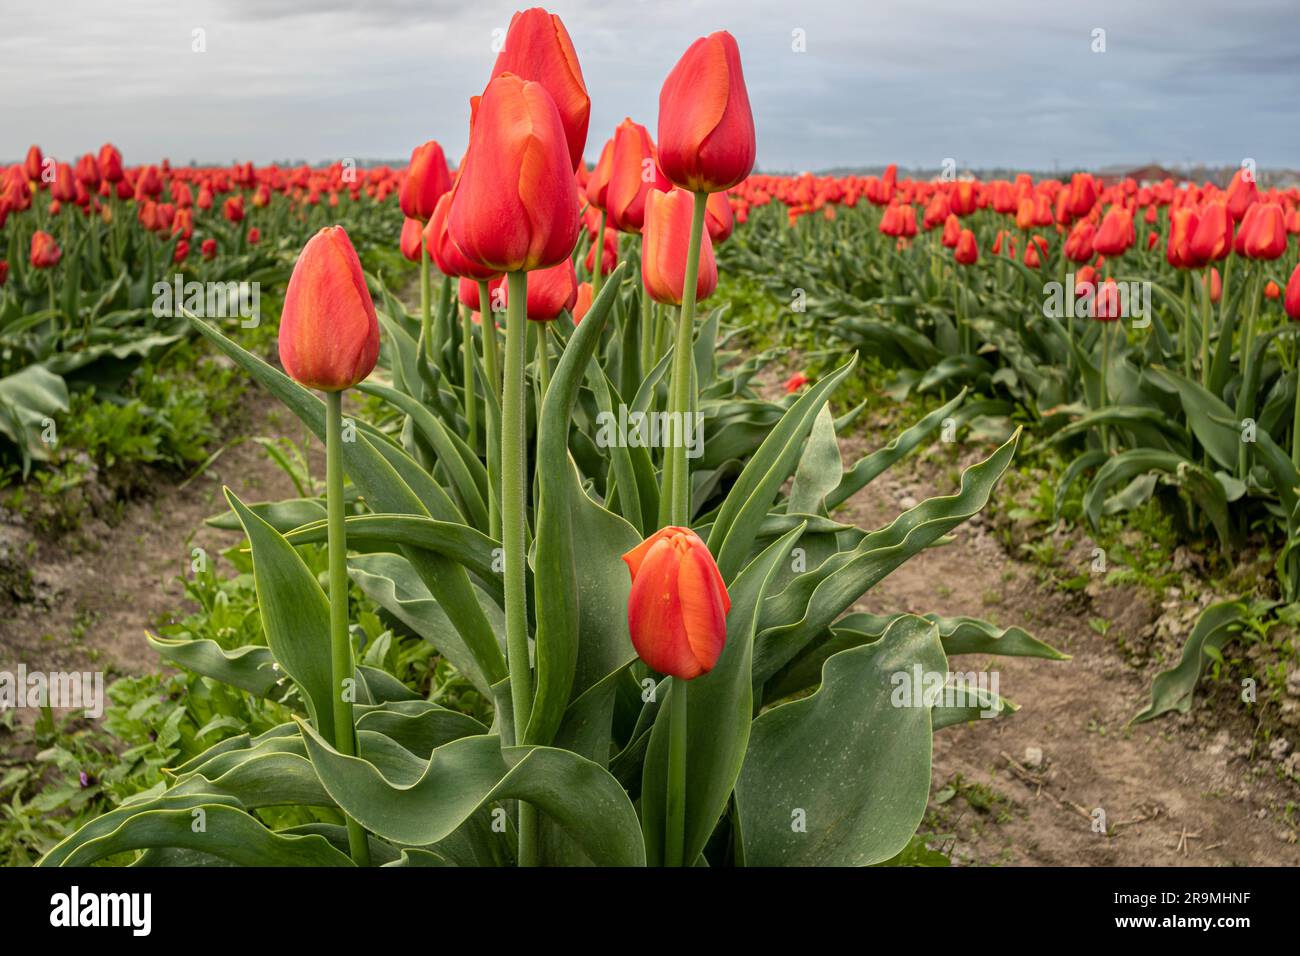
column 329, row 340
column 706, row 145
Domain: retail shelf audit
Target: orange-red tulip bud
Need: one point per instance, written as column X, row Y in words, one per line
column 665, row 244
column 45, row 251
column 515, row 206
column 329, row 334
column 706, row 129
column 677, row 610
column 426, row 180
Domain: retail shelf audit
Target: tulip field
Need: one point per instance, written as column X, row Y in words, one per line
column 598, row 498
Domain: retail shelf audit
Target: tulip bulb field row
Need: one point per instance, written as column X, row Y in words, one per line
column 571, row 571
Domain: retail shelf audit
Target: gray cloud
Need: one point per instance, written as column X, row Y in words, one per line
column 1006, row 82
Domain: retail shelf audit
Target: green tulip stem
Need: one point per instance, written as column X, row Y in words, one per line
column 514, row 499
column 675, row 807
column 426, row 299
column 647, row 332
column 471, row 392
column 597, row 257
column 1244, row 398
column 543, row 360
column 489, row 327
column 344, row 673
column 1187, row 325
column 677, row 480
column 1105, row 365
column 1206, row 319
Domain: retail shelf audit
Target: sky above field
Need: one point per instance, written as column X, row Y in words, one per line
column 1017, row 83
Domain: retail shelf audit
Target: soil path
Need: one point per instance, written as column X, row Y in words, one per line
column 93, row 593
column 1174, row 791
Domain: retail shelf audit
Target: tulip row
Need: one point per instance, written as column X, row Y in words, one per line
column 1195, row 388
column 664, row 626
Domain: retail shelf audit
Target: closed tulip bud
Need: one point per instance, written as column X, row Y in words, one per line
column 445, row 253
column 182, row 252
column 1182, row 227
column 1078, row 246
column 205, row 197
column 1083, row 194
column 1216, row 286
column 45, row 251
column 1106, row 308
column 538, row 49
column 1025, row 215
column 1271, row 290
column 64, row 187
column 964, row 200
column 148, row 184
column 1212, row 239
column 329, row 334
column 966, row 252
column 550, row 292
column 1242, row 194
column 665, row 242
column 633, row 174
column 1032, row 259
column 1115, row 234
column 951, row 232
column 412, row 241
column 427, row 178
column 515, row 206
column 4, row 272
column 608, row 254
column 233, row 209
column 467, row 293
column 718, row 217
column 598, row 181
column 795, row 382
column 254, row 236
column 706, row 129
column 937, row 211
column 1292, row 301
column 110, row 163
column 208, row 247
column 34, row 164
column 678, row 606
column 583, row 303
column 88, row 171
column 1263, row 231
column 1085, row 281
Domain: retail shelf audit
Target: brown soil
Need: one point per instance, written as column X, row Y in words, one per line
column 1178, row 790
column 92, row 593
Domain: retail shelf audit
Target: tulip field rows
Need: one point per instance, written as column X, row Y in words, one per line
column 650, row 511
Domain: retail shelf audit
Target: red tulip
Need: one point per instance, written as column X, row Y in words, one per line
column 1078, row 247
column 963, row 198
column 633, row 174
column 515, row 206
column 538, row 49
column 1115, row 234
column 951, row 231
column 795, row 382
column 4, row 272
column 550, row 291
column 446, row 255
column 254, row 236
column 1106, row 307
column 182, row 252
column 1271, row 290
column 706, row 129
column 1263, row 231
column 1183, row 224
column 608, row 254
column 467, row 293
column 427, row 178
column 209, row 248
column 966, row 253
column 665, row 242
column 329, row 334
column 718, row 217
column 412, row 241
column 677, row 610
column 1292, row 301
column 88, row 171
column 233, row 209
column 1085, row 281
column 110, row 163
column 1216, row 286
column 1212, row 239
column 1242, row 194
column 45, row 251
column 64, row 187
column 598, row 181
column 34, row 164
column 583, row 303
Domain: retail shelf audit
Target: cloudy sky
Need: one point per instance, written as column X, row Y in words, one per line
column 986, row 82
